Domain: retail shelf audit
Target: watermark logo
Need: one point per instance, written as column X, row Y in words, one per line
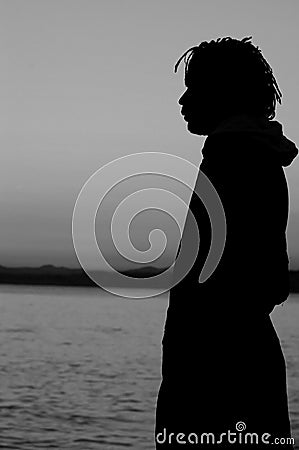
column 240, row 426
column 227, row 437
column 116, row 232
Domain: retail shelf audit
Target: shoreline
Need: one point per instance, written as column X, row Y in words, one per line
column 49, row 275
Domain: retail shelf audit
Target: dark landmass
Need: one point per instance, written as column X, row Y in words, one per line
column 63, row 276
column 294, row 281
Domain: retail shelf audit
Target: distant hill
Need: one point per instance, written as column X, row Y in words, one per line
column 44, row 275
column 294, row 281
column 64, row 276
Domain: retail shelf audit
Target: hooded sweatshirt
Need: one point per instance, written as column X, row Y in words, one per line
column 254, row 194
column 269, row 133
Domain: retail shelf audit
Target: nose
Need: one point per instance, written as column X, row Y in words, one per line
column 181, row 99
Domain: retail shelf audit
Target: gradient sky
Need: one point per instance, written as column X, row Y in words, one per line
column 84, row 82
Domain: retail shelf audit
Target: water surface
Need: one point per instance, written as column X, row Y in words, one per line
column 80, row 368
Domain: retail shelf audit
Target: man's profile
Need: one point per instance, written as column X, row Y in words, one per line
column 222, row 361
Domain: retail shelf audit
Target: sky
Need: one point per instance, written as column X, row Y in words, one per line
column 85, row 82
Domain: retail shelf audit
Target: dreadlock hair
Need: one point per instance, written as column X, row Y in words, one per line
column 237, row 71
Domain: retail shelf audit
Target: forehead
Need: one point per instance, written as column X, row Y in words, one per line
column 201, row 78
column 197, row 75
column 195, row 82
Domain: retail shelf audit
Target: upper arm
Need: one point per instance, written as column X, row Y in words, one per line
column 254, row 193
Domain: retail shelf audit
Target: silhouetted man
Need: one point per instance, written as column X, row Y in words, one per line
column 223, row 368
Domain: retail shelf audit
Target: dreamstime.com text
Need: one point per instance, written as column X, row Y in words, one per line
column 231, row 437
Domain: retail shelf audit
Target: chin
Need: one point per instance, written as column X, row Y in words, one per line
column 201, row 129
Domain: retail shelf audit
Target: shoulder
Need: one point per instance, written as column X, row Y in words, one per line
column 237, row 162
column 240, row 152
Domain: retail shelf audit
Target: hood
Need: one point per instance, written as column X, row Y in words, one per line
column 268, row 132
